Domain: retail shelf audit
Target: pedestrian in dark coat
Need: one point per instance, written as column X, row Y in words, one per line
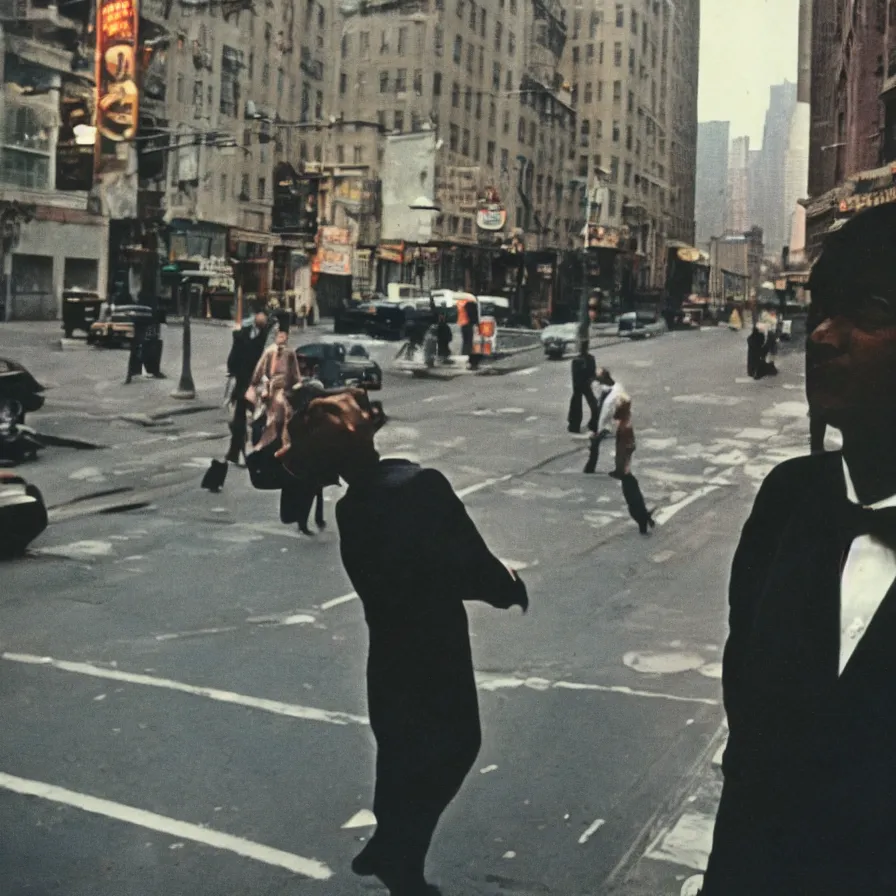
column 755, row 342
column 584, row 373
column 413, row 556
column 245, row 353
column 808, row 676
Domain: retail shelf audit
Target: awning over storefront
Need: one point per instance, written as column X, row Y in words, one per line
column 238, row 235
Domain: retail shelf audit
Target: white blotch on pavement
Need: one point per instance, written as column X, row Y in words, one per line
column 363, row 819
column 78, row 550
column 687, row 844
column 722, row 401
column 663, row 556
column 756, row 434
column 488, row 769
column 510, row 854
column 88, row 474
column 591, row 830
column 652, row 663
column 711, row 670
column 793, row 409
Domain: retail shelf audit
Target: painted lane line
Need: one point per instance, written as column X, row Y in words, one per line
column 666, row 514
column 292, row 710
column 175, row 636
column 182, row 830
column 499, row 683
column 591, row 830
column 336, row 601
column 282, row 619
column 488, row 483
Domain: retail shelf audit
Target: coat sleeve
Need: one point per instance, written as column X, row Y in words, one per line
column 753, row 558
column 464, row 563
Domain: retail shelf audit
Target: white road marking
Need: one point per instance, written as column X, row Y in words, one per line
column 175, row 636
column 488, row 769
column 687, row 844
column 307, row 713
column 666, row 514
column 363, row 819
column 649, row 662
column 336, row 601
column 510, row 854
column 488, row 483
column 282, row 619
column 591, row 830
column 78, row 550
column 526, row 371
column 309, row 868
column 498, row 683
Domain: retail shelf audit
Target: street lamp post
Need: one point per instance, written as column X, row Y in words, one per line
column 186, row 389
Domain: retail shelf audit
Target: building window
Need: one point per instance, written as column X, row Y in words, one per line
column 381, row 119
column 600, row 91
column 265, row 74
column 454, row 138
column 631, row 60
column 575, row 55
column 617, row 91
column 492, row 114
column 588, row 93
column 318, row 105
column 507, row 121
column 628, row 137
column 473, row 17
column 511, row 43
column 505, row 160
column 612, row 204
column 384, row 42
column 345, row 45
column 481, row 62
column 617, row 54
column 364, row 42
column 223, row 188
column 468, row 99
column 455, row 95
column 471, row 57
column 532, row 133
column 490, row 154
column 461, row 5
column 627, row 177
column 179, row 88
column 358, row 158
column 583, row 166
column 467, row 226
column 340, row 154
column 402, row 41
column 458, row 50
column 437, row 84
column 478, row 105
column 398, row 120
column 482, row 19
column 401, row 80
column 198, row 95
column 631, row 102
column 384, row 82
column 589, row 53
column 230, row 85
column 620, row 15
column 521, row 131
column 496, row 75
column 477, row 148
column 599, row 129
column 244, row 188
column 513, row 7
column 262, row 187
column 343, row 84
column 616, row 132
column 600, row 53
column 418, row 81
column 634, row 23
column 509, row 81
column 499, row 33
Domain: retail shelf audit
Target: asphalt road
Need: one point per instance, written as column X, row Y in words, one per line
column 182, row 682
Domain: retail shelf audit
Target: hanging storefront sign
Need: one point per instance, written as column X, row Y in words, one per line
column 491, row 218
column 116, row 81
column 868, row 200
column 689, row 254
column 393, row 252
column 334, row 254
column 606, row 237
column 295, row 202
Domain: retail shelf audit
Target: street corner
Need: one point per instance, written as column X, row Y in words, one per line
column 673, row 854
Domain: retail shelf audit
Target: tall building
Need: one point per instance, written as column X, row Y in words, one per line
column 777, row 167
column 737, row 219
column 51, row 238
column 486, row 78
column 712, row 179
column 633, row 67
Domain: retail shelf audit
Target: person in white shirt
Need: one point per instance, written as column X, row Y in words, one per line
column 610, row 392
column 809, row 669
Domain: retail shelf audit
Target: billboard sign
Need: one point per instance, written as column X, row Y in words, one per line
column 116, row 81
column 334, row 255
column 74, row 160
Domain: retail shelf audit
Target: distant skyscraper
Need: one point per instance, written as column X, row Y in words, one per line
column 781, row 156
column 712, row 179
column 738, row 202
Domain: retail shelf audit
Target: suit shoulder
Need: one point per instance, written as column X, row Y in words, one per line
column 794, row 478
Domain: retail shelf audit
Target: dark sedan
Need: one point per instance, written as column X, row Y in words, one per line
column 383, row 318
column 336, row 366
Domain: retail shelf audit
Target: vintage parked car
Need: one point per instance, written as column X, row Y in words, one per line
column 558, row 339
column 116, row 324
column 335, row 365
column 80, row 310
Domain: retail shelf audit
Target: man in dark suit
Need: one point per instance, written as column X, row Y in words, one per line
column 245, row 353
column 808, row 806
column 584, row 373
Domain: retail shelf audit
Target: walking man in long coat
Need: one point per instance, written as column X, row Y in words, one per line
column 245, row 353
column 414, row 557
column 809, row 679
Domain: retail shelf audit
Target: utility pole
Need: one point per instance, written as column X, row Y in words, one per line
column 186, row 389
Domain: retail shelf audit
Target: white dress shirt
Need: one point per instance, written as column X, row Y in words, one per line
column 608, row 408
column 869, row 572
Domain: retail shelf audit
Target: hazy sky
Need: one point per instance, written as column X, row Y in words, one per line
column 745, row 47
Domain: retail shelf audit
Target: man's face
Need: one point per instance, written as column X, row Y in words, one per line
column 851, row 357
column 261, row 321
column 281, row 337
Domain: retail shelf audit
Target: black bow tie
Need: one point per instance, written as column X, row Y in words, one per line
column 881, row 524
